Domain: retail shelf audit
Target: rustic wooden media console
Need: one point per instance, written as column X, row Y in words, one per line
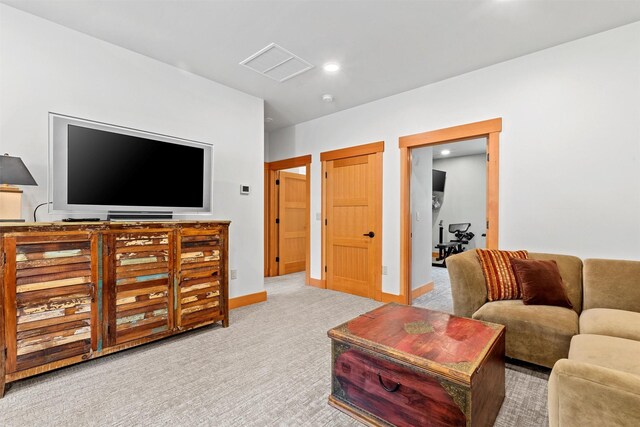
column 73, row 292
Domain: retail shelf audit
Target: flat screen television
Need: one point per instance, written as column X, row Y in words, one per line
column 438, row 179
column 97, row 167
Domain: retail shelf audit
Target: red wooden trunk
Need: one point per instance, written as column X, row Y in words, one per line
column 407, row 366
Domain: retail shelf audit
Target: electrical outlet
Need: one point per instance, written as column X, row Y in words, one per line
column 384, row 270
column 234, row 274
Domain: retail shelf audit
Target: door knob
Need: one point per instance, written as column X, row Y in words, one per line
column 370, row 234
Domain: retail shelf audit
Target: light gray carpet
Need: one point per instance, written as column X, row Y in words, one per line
column 440, row 297
column 269, row 368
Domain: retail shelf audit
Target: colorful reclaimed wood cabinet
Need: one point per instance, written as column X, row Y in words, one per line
column 73, row 292
column 406, row 366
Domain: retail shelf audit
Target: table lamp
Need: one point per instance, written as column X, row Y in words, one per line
column 12, row 172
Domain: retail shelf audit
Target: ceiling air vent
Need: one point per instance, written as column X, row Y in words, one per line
column 277, row 63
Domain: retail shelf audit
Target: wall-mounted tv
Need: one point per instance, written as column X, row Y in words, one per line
column 97, row 167
column 438, row 180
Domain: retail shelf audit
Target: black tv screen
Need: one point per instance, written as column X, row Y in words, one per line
column 106, row 168
column 438, row 179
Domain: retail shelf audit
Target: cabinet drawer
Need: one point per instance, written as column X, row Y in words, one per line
column 398, row 394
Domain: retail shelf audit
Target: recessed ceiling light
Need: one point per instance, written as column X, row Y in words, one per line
column 445, row 152
column 327, row 97
column 331, row 67
column 268, row 119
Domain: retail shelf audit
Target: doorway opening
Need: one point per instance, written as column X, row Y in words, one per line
column 458, row 198
column 352, row 216
column 457, row 233
column 287, row 195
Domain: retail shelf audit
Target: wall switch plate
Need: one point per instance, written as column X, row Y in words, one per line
column 384, row 270
column 245, row 189
column 317, row 216
column 234, row 274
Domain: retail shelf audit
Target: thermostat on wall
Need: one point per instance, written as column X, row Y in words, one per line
column 244, row 189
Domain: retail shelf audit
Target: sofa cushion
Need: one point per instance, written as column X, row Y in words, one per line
column 498, row 273
column 538, row 334
column 610, row 283
column 540, row 282
column 610, row 322
column 609, row 352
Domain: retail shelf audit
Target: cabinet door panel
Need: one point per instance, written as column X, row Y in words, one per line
column 199, row 298
column 53, row 281
column 140, row 291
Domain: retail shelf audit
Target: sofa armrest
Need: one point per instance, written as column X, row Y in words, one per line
column 582, row 394
column 468, row 288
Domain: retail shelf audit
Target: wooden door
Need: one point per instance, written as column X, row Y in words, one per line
column 200, row 276
column 353, row 229
column 274, row 228
column 140, row 279
column 52, row 279
column 292, row 235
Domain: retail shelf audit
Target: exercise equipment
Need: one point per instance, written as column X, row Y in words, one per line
column 455, row 246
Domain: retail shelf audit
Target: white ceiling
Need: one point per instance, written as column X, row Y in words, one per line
column 384, row 47
column 469, row 147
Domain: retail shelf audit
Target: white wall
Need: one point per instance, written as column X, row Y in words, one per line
column 421, row 225
column 464, row 198
column 46, row 67
column 569, row 150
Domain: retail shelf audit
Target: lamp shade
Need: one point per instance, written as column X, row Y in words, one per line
column 14, row 172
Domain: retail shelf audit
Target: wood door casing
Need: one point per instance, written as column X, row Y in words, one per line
column 353, row 209
column 271, row 172
column 53, row 283
column 292, row 230
column 488, row 128
column 140, row 302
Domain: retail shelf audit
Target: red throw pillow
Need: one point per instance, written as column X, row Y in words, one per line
column 498, row 273
column 540, row 282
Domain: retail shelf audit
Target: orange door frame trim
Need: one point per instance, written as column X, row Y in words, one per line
column 270, row 170
column 342, row 153
column 488, row 128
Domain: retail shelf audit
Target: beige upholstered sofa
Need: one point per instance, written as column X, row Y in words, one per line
column 599, row 383
column 538, row 334
column 594, row 349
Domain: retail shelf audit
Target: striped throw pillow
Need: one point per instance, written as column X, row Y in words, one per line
column 499, row 276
